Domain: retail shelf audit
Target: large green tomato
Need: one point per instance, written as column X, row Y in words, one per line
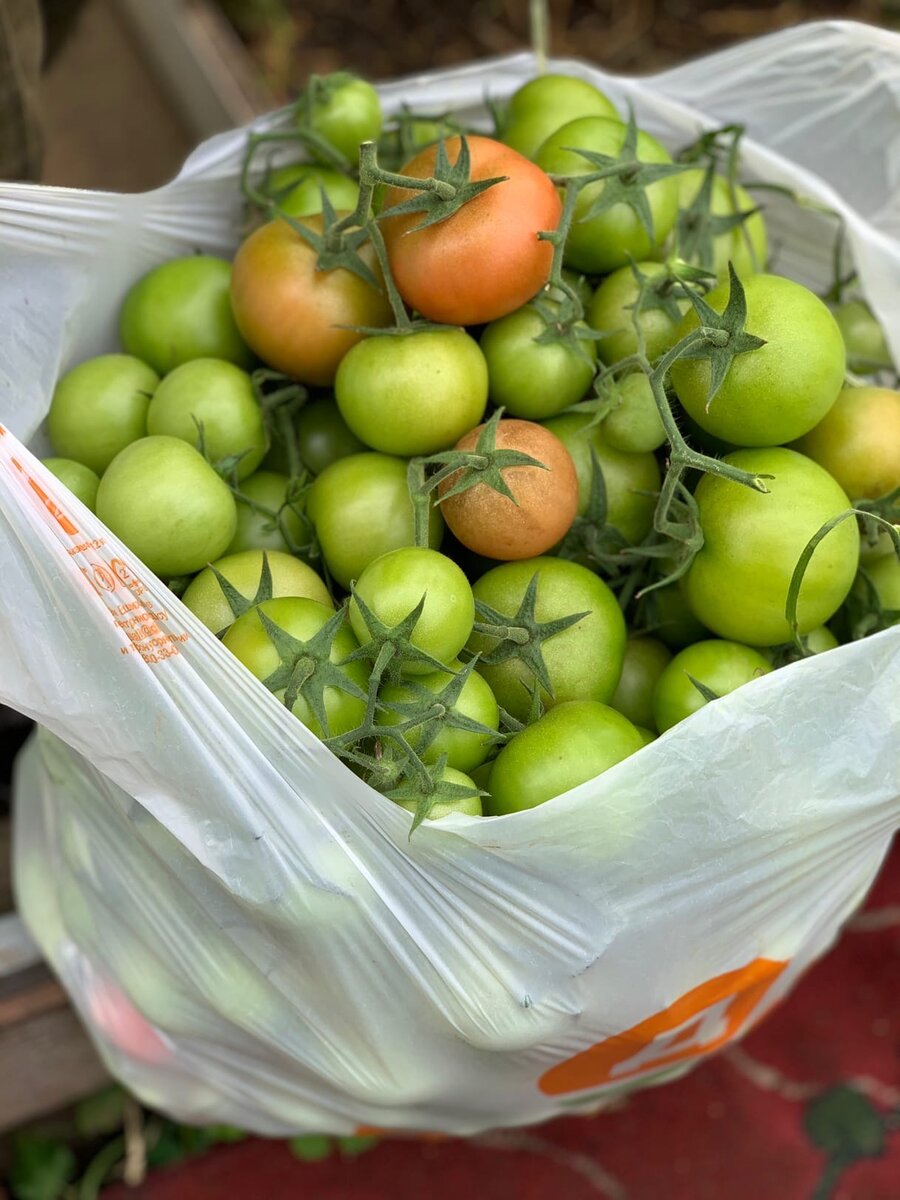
column 413, row 393
column 393, row 585
column 569, row 745
column 290, row 577
column 778, row 391
column 607, row 241
column 464, row 748
column 583, row 661
column 182, row 310
column 79, row 479
column 346, row 111
column 250, row 642
column 627, row 477
column 747, row 245
column 256, row 528
column 737, row 584
column 99, row 408
column 167, row 505
column 361, row 509
column 533, row 379
column 469, row 806
column 540, row 106
column 645, row 660
column 613, row 312
column 720, row 666
column 215, row 397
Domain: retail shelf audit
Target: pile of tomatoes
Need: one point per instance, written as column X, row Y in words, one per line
column 494, row 457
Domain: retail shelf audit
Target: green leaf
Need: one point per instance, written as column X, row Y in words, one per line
column 845, row 1124
column 311, row 1147
column 41, row 1169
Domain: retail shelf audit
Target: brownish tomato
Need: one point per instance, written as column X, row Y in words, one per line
column 546, row 497
column 486, row 260
column 858, row 441
column 295, row 317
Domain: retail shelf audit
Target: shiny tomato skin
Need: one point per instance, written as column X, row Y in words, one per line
column 569, row 745
column 719, row 665
column 737, row 584
column 486, row 260
column 540, row 106
column 645, row 660
column 296, row 318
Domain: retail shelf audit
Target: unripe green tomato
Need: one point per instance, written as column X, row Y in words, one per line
column 469, row 806
column 647, row 735
column 626, row 476
column 645, row 660
column 583, row 661
column 776, row 392
column 256, row 530
column 612, row 311
column 634, row 426
column 818, row 640
column 667, row 616
column 306, row 183
column 290, row 577
column 79, row 479
column 569, row 745
column 867, row 348
column 99, row 408
column 464, row 749
column 607, row 241
column 215, row 397
column 323, row 436
column 747, row 245
column 533, row 379
column 870, row 550
column 884, row 575
column 413, row 393
column 719, row 665
column 737, row 584
column 361, row 509
column 167, row 505
column 182, row 310
column 394, row 584
column 540, row 106
column 249, row 641
column 346, row 111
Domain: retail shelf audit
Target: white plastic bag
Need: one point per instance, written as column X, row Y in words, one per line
column 243, row 924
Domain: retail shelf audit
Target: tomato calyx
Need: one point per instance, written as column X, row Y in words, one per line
column 428, row 790
column 430, row 712
column 237, row 601
column 390, row 646
column 441, row 195
column 483, row 465
column 570, row 332
column 590, row 536
column 697, row 226
column 522, row 635
column 307, row 668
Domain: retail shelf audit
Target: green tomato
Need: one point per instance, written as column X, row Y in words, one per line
column 216, row 397
column 413, row 393
column 720, row 666
column 583, row 661
column 664, row 612
column 612, row 311
column 634, row 426
column 540, row 106
column 747, row 245
column 261, row 528
column 647, row 735
column 395, row 583
column 99, row 408
column 533, row 379
column 249, row 641
column 602, row 243
column 464, row 748
column 298, row 190
column 345, row 111
column 858, row 442
column 79, row 479
column 167, row 505
column 778, row 391
column 569, row 745
column 469, row 806
column 290, row 577
column 626, row 476
column 323, row 436
column 867, row 348
column 881, row 545
column 361, row 509
column 645, row 660
column 182, row 310
column 884, row 575
column 737, row 584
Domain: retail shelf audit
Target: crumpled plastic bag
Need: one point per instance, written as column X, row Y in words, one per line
column 243, row 925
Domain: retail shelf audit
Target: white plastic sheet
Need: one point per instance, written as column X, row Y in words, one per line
column 242, row 923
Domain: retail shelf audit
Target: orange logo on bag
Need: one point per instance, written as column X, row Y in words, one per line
column 55, row 511
column 700, row 1021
